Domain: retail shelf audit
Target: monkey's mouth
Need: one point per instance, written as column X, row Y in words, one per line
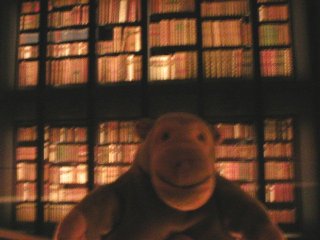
column 185, row 186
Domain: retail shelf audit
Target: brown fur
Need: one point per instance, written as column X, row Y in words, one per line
column 170, row 193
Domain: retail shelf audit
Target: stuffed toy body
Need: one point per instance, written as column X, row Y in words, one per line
column 171, row 192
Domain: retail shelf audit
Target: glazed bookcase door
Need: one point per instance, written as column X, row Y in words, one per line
column 119, row 41
column 172, row 34
column 28, row 44
column 275, row 41
column 226, row 39
column 26, row 155
column 65, row 179
column 236, row 154
column 280, row 173
column 116, row 146
column 67, row 42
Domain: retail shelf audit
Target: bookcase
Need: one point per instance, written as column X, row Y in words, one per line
column 116, row 146
column 280, row 188
column 236, row 154
column 26, row 174
column 119, row 38
column 160, row 55
column 275, row 38
column 28, row 44
column 65, row 169
column 67, row 42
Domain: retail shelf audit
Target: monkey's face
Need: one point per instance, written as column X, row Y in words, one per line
column 182, row 163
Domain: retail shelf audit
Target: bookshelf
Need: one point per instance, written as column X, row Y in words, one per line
column 28, row 44
column 26, row 174
column 280, row 172
column 65, row 177
column 276, row 57
column 236, row 154
column 172, row 36
column 116, row 146
column 104, row 44
column 226, row 39
column 67, row 42
column 119, row 41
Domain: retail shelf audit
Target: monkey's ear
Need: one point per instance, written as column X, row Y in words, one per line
column 143, row 127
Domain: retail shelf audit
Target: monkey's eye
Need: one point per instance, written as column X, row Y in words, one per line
column 165, row 136
column 201, row 137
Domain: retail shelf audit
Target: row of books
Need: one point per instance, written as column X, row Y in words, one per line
column 67, row 49
column 124, row 67
column 179, row 65
column 274, row 35
column 78, row 15
column 30, row 7
column 26, row 171
column 29, row 22
column 114, row 153
column 55, row 212
column 278, row 130
column 118, row 11
column 235, row 131
column 60, row 193
column 279, row 170
column 227, row 63
column 117, row 132
column 26, row 153
column 75, row 174
column 60, row 36
column 26, row 212
column 125, row 39
column 278, row 150
column 285, row 216
column 66, row 134
column 26, row 134
column 26, row 191
column 273, row 13
column 280, row 192
column 221, row 33
column 172, row 32
column 108, row 174
column 276, row 62
column 245, row 171
column 62, row 3
column 159, row 6
column 28, row 38
column 27, row 52
column 67, row 153
column 28, row 73
column 67, row 71
column 224, row 8
column 234, row 151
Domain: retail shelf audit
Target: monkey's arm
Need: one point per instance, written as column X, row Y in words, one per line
column 93, row 217
column 243, row 214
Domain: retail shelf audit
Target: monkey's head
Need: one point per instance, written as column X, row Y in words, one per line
column 178, row 154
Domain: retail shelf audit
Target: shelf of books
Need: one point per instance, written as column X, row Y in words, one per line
column 236, row 154
column 118, row 44
column 172, row 40
column 117, row 144
column 275, row 41
column 67, row 42
column 26, row 174
column 65, row 170
column 28, row 44
column 226, row 39
column 280, row 174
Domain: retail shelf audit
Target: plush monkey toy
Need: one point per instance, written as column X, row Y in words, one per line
column 171, row 192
